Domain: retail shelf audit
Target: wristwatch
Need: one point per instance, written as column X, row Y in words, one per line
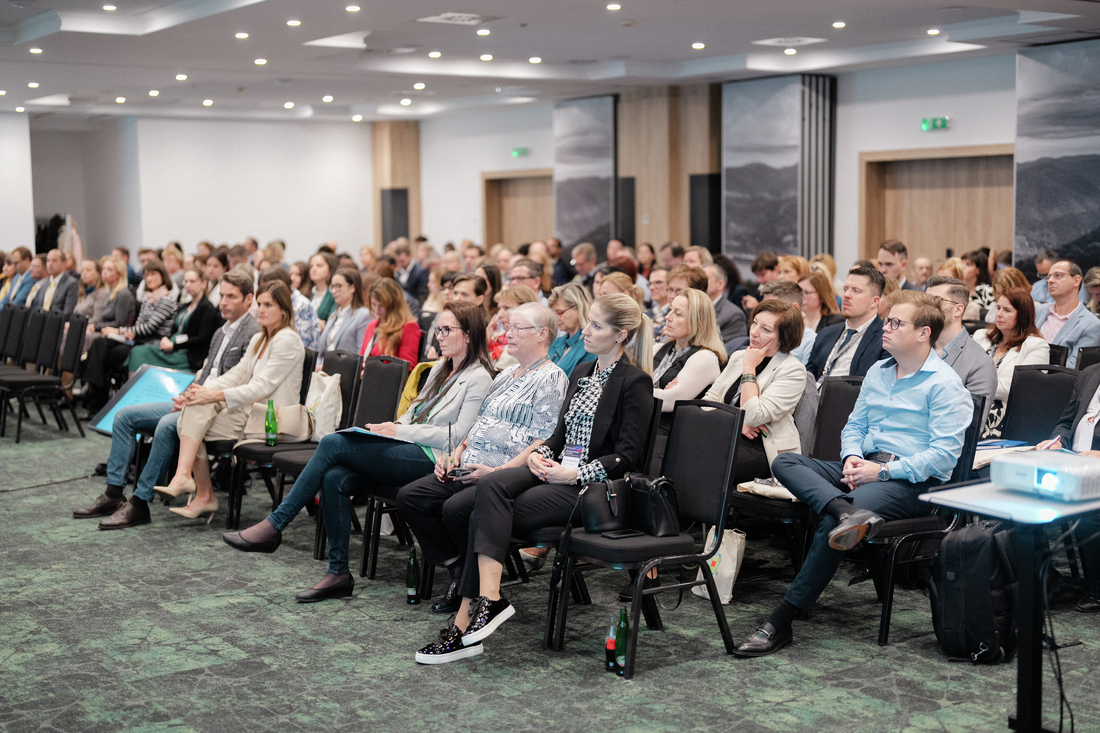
column 884, row 473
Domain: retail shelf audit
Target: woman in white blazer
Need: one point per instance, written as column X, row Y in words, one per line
column 344, row 329
column 767, row 383
column 1013, row 340
column 271, row 369
column 392, row 453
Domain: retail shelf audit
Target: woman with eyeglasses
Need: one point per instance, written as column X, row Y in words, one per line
column 392, row 453
column 508, row 299
column 570, row 304
column 348, row 324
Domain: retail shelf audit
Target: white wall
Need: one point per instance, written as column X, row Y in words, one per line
column 112, row 197
column 16, row 198
column 882, row 110
column 57, row 159
column 455, row 150
column 305, row 183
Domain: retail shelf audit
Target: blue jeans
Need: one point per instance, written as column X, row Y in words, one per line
column 816, row 483
column 155, row 418
column 344, row 464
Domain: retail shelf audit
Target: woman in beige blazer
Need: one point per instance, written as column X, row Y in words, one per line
column 271, row 369
column 767, row 383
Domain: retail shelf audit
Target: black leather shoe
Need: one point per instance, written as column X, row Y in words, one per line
column 103, row 506
column 854, row 528
column 234, row 540
column 1088, row 604
column 764, row 641
column 626, row 595
column 127, row 515
column 450, row 602
column 342, row 589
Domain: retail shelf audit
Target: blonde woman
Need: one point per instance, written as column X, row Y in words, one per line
column 508, row 299
column 91, row 296
column 620, row 282
column 120, row 306
column 793, row 268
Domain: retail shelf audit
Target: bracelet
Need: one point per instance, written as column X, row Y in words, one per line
column 748, row 378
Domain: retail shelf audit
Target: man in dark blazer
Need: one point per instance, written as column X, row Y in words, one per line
column 730, row 318
column 410, row 274
column 834, row 354
column 57, row 293
column 893, row 261
column 227, row 347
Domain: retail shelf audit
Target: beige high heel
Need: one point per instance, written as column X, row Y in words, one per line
column 168, row 493
column 193, row 511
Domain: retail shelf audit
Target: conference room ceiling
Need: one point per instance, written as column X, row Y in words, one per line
column 89, row 62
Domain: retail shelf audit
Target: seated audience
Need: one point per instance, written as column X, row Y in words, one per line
column 527, row 272
column 119, row 307
column 56, row 292
column 904, row 437
column 735, row 288
column 91, row 297
column 186, row 346
column 658, row 309
column 570, row 303
column 922, row 270
column 793, row 268
column 394, row 331
column 977, row 279
column 8, row 275
column 1040, row 291
column 348, row 323
column 647, row 258
column 508, row 299
column 321, row 267
column 217, row 264
column 306, row 322
column 893, row 261
column 696, row 256
column 492, row 276
column 1091, row 285
column 1065, row 322
column 409, row 273
column 584, row 263
column 299, row 279
column 671, row 254
column 819, row 302
column 348, row 462
column 620, row 282
column 22, row 281
column 271, row 369
column 729, row 317
column 682, row 277
column 850, row 348
column 788, row 292
column 1012, row 341
column 606, row 414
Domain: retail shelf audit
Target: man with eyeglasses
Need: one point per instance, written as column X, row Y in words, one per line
column 956, row 347
column 1066, row 322
column 1040, row 293
column 904, row 437
column 529, row 273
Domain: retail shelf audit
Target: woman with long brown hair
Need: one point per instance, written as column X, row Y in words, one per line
column 394, row 331
column 271, row 369
column 819, row 307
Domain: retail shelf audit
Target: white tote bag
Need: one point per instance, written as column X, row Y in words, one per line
column 324, row 403
column 725, row 564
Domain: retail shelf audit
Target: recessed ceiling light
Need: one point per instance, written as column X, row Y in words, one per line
column 483, row 31
column 357, row 118
column 109, row 8
column 839, row 24
column 154, row 93
column 327, row 98
column 181, row 77
column 614, row 6
column 698, row 46
column 33, row 85
column 406, row 102
column 294, row 23
column 288, row 105
column 207, row 102
column 35, row 50
column 434, row 55
column 261, row 62
column 19, row 109
column 933, row 31
column 790, row 51
column 486, row 57
column 2, row 92
column 418, row 85
column 120, row 100
column 242, row 36
column 352, row 8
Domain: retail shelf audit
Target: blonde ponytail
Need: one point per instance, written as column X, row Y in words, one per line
column 624, row 314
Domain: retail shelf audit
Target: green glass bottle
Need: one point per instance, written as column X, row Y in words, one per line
column 271, row 426
column 412, row 579
column 621, row 635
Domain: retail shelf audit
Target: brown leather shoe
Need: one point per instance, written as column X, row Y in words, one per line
column 103, row 506
column 128, row 514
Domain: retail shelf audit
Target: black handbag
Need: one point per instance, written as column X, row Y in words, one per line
column 652, row 505
column 603, row 506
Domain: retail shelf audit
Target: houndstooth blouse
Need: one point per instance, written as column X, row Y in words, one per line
column 578, row 425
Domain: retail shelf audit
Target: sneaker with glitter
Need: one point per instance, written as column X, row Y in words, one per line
column 449, row 647
column 485, row 617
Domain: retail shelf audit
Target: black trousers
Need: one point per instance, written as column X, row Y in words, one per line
column 104, row 357
column 422, row 505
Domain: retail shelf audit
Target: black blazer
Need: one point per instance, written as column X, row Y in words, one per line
column 1083, row 391
column 199, row 330
column 867, row 353
column 417, row 284
column 621, row 423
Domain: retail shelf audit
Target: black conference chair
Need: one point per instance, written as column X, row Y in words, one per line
column 907, row 542
column 30, row 338
column 13, row 380
column 13, row 338
column 1059, row 355
column 1086, row 357
column 1038, row 395
column 46, row 385
column 702, row 445
column 972, row 327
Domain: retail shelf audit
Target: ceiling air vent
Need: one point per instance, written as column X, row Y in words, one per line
column 458, row 18
column 788, row 42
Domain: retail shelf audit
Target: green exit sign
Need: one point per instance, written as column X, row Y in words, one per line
column 519, row 152
column 934, row 123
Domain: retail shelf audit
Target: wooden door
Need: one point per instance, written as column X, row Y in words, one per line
column 518, row 207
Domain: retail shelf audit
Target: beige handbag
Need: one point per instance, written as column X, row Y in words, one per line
column 295, row 424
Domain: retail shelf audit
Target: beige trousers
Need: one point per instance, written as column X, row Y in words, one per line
column 211, row 422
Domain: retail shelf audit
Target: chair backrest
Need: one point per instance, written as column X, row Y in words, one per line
column 308, row 365
column 805, row 413
column 74, row 343
column 5, row 324
column 32, row 337
column 1059, row 355
column 13, row 344
column 347, row 365
column 651, row 436
column 699, row 456
column 972, row 327
column 1086, row 357
column 422, row 348
column 50, row 347
column 1038, row 395
column 380, row 391
column 970, row 442
column 838, row 397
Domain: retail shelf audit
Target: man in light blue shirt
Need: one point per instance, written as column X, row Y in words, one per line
column 22, row 282
column 904, row 436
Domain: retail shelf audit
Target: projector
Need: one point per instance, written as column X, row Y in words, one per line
column 1049, row 473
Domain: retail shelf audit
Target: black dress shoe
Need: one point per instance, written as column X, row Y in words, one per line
column 128, row 514
column 626, row 595
column 1088, row 604
column 103, row 506
column 854, row 528
column 450, row 602
column 763, row 641
column 234, row 540
column 342, row 589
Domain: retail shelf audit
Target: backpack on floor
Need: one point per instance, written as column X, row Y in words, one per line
column 973, row 590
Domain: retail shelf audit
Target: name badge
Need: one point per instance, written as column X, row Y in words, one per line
column 572, row 457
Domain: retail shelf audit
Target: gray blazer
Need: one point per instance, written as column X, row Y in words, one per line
column 1082, row 329
column 64, row 296
column 233, row 353
column 731, row 320
column 349, row 333
column 459, row 407
column 974, row 367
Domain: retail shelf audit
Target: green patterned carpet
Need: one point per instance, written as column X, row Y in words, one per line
column 164, row 627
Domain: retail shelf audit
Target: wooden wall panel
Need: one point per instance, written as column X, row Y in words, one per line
column 649, row 131
column 526, row 210
column 396, row 164
column 700, row 146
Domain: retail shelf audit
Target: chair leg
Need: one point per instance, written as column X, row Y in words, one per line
column 237, row 496
column 1071, row 555
column 280, row 484
column 888, row 595
column 563, row 603
column 552, row 614
column 428, row 582
column 581, row 588
column 636, row 607
column 320, row 535
column 375, row 535
column 72, row 411
column 649, row 607
column 521, row 566
column 510, row 567
column 19, row 421
column 368, row 522
column 41, row 415
column 716, row 604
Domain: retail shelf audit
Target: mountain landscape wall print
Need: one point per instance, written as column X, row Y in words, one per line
column 584, row 171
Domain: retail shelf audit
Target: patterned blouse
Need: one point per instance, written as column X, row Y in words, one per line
column 578, row 425
column 516, row 413
column 305, row 321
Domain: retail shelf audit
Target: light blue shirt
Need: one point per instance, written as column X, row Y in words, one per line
column 1040, row 293
column 921, row 417
column 802, row 353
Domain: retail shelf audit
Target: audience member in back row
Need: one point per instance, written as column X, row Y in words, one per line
column 348, row 323
column 508, row 299
column 22, row 281
column 393, row 453
column 600, row 435
column 570, row 304
column 394, row 331
column 91, row 295
column 1065, row 322
column 1040, row 292
column 159, row 419
column 788, row 292
column 57, row 292
column 119, row 306
column 306, row 322
column 192, row 330
column 729, row 318
column 321, row 267
column 893, row 259
column 977, row 279
column 767, row 382
column 819, row 306
column 850, row 348
column 1012, row 341
column 904, row 436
